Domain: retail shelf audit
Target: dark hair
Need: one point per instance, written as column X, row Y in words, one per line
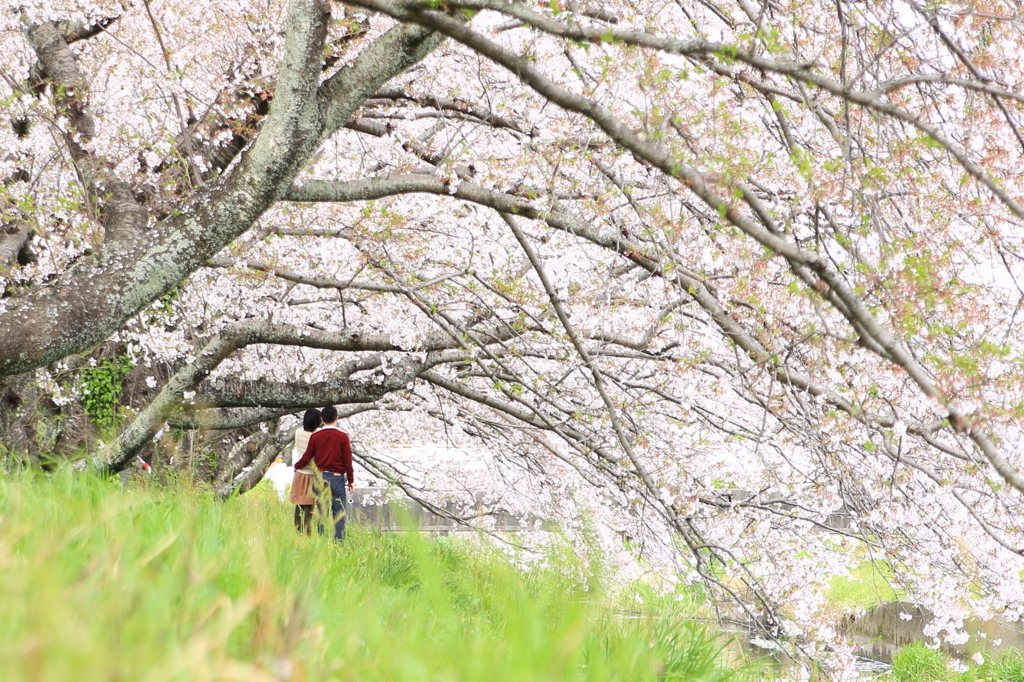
column 329, row 414
column 311, row 420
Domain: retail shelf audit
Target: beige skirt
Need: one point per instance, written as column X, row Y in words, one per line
column 302, row 489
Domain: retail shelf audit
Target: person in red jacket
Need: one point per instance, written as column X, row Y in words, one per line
column 331, row 451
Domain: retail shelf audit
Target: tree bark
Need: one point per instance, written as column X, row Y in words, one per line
column 12, row 240
column 83, row 306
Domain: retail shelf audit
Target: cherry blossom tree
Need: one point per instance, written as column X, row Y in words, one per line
column 737, row 282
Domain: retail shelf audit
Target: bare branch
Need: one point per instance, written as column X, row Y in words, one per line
column 472, row 111
column 853, row 308
column 422, row 13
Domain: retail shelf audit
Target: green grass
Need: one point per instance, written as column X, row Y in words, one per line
column 918, row 663
column 870, row 584
column 153, row 585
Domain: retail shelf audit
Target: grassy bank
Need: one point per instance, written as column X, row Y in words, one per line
column 918, row 663
column 100, row 583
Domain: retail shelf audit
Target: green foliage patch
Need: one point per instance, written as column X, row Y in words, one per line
column 100, row 389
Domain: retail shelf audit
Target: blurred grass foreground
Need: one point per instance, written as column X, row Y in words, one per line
column 150, row 585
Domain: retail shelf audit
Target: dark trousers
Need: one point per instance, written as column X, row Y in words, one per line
column 333, row 498
column 304, row 518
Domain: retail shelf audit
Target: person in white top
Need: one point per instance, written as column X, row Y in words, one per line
column 302, row 482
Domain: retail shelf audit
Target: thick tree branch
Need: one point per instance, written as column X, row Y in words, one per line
column 258, row 468
column 392, row 53
column 340, row 389
column 240, row 456
column 73, row 31
column 122, row 217
column 318, row 282
column 13, row 238
column 222, row 419
column 81, row 309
